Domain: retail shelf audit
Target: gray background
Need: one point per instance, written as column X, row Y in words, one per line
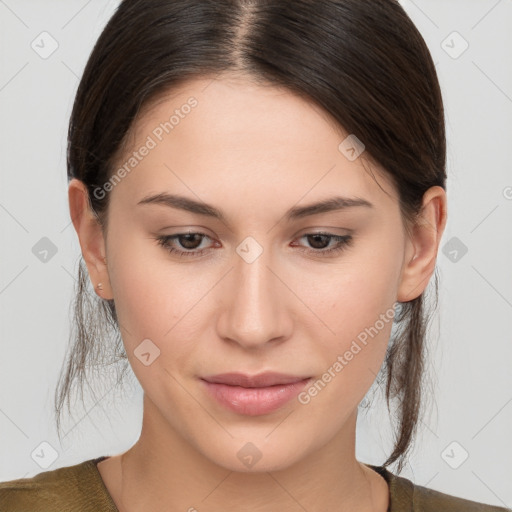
column 464, row 445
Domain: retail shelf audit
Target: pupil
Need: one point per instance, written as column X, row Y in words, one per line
column 316, row 237
column 189, row 239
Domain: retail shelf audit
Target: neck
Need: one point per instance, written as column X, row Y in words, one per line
column 163, row 469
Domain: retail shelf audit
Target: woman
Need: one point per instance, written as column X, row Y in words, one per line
column 258, row 188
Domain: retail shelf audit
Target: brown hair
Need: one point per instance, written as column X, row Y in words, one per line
column 363, row 61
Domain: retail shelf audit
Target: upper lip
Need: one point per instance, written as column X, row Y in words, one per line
column 254, row 381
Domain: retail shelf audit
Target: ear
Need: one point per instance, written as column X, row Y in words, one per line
column 90, row 235
column 423, row 244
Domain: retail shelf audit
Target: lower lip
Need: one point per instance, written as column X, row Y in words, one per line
column 254, row 401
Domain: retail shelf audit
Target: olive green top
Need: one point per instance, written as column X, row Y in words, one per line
column 80, row 488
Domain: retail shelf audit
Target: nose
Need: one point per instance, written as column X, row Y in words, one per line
column 255, row 303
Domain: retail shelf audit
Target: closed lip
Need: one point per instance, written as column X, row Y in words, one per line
column 261, row 380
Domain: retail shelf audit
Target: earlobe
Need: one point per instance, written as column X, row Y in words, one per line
column 90, row 235
column 423, row 244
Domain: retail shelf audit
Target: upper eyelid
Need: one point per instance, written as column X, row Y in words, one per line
column 327, row 230
column 175, row 236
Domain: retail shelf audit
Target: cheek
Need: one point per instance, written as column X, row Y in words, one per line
column 353, row 356
column 357, row 304
column 145, row 303
column 357, row 291
column 147, row 289
column 156, row 300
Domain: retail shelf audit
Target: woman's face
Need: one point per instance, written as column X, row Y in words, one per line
column 257, row 289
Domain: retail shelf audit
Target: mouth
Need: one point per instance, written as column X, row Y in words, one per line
column 254, row 395
column 262, row 380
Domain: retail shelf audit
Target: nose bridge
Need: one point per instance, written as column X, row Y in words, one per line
column 256, row 312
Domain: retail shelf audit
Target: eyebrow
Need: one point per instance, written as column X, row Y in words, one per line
column 335, row 203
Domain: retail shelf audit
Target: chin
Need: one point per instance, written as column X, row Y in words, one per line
column 257, row 456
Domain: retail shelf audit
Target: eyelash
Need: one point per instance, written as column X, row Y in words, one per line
column 344, row 241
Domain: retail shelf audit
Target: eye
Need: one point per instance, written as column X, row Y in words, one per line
column 323, row 240
column 189, row 243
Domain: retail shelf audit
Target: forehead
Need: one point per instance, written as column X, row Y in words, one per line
column 216, row 134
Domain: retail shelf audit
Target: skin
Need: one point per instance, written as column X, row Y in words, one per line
column 252, row 152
